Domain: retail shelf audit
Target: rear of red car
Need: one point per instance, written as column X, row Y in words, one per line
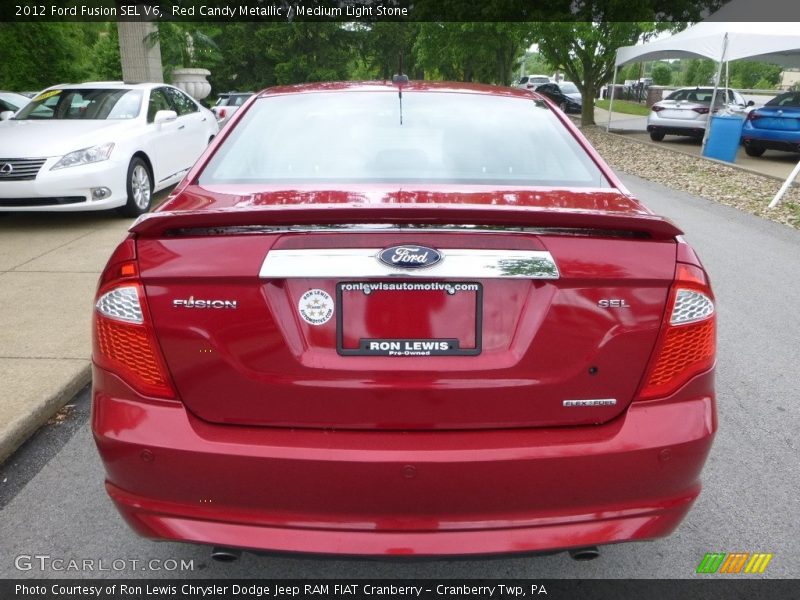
column 421, row 320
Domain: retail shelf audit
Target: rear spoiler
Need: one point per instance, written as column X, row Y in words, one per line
column 161, row 223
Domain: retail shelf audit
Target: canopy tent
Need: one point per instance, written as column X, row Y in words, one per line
column 722, row 41
column 772, row 42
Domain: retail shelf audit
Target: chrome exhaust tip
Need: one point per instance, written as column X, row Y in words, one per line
column 588, row 553
column 226, row 555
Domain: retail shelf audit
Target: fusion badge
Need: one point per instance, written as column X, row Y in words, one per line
column 409, row 257
column 316, row 307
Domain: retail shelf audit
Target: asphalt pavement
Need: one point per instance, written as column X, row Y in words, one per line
column 54, row 504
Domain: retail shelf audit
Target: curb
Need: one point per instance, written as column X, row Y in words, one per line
column 15, row 433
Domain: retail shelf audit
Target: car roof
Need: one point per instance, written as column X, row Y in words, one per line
column 388, row 86
column 108, row 85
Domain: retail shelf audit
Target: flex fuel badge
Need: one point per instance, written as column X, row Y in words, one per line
column 316, row 307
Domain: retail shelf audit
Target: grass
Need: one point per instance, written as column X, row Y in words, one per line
column 624, row 106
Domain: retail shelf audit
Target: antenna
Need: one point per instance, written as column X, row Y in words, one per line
column 399, row 79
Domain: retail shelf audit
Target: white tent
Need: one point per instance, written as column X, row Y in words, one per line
column 722, row 41
column 772, row 42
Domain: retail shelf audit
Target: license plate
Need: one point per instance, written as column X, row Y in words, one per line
column 408, row 318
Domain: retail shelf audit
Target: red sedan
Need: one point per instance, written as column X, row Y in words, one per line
column 403, row 319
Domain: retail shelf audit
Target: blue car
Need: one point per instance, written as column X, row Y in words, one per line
column 774, row 126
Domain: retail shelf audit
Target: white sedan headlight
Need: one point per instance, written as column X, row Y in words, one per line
column 85, row 156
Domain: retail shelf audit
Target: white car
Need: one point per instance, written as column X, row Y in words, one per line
column 529, row 82
column 685, row 111
column 12, row 102
column 227, row 104
column 98, row 146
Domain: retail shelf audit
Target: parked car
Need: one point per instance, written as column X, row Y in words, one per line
column 227, row 104
column 11, row 102
column 685, row 111
column 774, row 126
column 374, row 324
column 98, row 146
column 565, row 95
column 529, row 82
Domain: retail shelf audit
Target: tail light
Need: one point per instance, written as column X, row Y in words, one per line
column 124, row 341
column 753, row 115
column 221, row 113
column 687, row 342
column 703, row 110
column 530, row 85
column 657, row 109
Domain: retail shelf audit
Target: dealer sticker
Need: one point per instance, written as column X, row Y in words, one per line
column 316, row 307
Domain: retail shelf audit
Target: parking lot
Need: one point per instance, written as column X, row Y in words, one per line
column 52, row 491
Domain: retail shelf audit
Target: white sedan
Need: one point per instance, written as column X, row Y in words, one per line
column 97, row 146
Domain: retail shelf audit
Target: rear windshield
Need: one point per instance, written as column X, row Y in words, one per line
column 94, row 104
column 362, row 137
column 788, row 99
column 700, row 95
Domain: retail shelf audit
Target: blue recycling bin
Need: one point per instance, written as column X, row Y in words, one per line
column 724, row 136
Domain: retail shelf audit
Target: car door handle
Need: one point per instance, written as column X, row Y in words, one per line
column 182, row 126
column 203, row 118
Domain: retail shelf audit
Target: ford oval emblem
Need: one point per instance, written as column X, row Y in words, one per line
column 409, row 257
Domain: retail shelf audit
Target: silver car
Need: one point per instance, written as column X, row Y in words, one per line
column 685, row 111
column 227, row 104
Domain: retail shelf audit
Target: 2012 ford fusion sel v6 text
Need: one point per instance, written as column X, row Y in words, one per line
column 403, row 318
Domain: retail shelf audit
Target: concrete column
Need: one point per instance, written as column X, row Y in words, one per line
column 140, row 54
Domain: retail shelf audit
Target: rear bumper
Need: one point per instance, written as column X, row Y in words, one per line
column 772, row 139
column 691, row 127
column 175, row 477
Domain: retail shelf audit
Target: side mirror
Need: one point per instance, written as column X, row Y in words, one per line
column 751, row 103
column 165, row 116
column 6, row 115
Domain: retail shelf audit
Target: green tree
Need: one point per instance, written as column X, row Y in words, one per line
column 586, row 52
column 746, row 74
column 104, row 59
column 37, row 55
column 473, row 51
column 586, row 48
column 661, row 74
column 700, row 72
column 380, row 46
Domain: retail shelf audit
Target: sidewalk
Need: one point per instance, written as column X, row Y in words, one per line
column 49, row 265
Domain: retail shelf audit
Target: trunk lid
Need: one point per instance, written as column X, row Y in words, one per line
column 542, row 311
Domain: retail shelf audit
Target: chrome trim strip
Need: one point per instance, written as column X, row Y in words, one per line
column 462, row 263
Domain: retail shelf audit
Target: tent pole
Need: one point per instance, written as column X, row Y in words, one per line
column 714, row 95
column 792, row 176
column 611, row 99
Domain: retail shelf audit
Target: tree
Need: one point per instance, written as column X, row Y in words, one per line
column 473, row 51
column 37, row 55
column 749, row 75
column 700, row 72
column 586, row 52
column 661, row 74
column 586, row 47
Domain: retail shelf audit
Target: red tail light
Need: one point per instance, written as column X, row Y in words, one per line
column 687, row 343
column 753, row 115
column 530, row 85
column 124, row 341
column 701, row 110
column 222, row 112
column 656, row 108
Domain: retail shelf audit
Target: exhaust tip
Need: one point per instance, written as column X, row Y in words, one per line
column 226, row 555
column 589, row 553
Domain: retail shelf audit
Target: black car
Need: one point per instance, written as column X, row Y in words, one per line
column 565, row 95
